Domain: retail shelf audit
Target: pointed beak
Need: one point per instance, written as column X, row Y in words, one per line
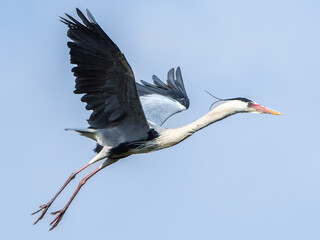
column 263, row 109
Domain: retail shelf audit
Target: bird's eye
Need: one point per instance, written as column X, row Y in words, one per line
column 250, row 104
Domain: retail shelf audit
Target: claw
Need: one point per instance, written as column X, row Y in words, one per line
column 58, row 218
column 43, row 208
column 54, row 213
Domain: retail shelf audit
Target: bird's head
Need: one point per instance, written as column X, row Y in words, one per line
column 246, row 105
column 240, row 105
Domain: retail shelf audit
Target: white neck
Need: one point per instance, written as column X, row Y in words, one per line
column 206, row 120
column 171, row 137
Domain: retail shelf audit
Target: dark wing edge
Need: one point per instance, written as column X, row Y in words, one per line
column 162, row 100
column 104, row 76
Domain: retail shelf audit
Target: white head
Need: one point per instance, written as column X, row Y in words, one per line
column 242, row 105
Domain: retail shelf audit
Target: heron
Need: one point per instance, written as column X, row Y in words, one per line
column 127, row 117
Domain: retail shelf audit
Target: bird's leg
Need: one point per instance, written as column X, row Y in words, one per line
column 61, row 212
column 45, row 207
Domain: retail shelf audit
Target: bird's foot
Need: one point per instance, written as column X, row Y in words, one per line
column 58, row 218
column 44, row 208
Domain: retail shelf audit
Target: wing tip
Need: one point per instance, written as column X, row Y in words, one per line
column 90, row 16
column 174, row 88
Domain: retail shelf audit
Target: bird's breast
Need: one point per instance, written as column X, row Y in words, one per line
column 165, row 139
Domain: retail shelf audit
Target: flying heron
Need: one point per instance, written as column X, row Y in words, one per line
column 127, row 116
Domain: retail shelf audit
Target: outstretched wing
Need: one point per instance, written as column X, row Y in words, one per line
column 160, row 101
column 105, row 77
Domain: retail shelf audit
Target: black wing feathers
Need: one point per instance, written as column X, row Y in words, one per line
column 105, row 77
column 173, row 89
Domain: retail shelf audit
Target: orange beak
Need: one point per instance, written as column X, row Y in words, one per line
column 263, row 109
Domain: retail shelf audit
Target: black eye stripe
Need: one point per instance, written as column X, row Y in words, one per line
column 240, row 99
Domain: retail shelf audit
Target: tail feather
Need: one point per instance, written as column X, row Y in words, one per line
column 88, row 132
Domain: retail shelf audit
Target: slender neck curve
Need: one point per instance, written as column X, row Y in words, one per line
column 170, row 137
column 220, row 112
column 211, row 117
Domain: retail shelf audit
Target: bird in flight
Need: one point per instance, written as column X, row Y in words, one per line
column 127, row 117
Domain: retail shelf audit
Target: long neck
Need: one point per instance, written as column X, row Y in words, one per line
column 206, row 120
column 171, row 137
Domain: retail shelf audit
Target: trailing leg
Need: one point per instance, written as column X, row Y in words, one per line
column 61, row 212
column 44, row 208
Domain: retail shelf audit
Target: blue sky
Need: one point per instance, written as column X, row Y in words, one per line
column 246, row 177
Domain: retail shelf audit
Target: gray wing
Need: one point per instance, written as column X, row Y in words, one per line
column 160, row 101
column 105, row 77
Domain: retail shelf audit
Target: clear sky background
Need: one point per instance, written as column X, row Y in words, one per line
column 247, row 177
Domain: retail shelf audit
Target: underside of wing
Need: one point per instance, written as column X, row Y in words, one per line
column 105, row 78
column 159, row 100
